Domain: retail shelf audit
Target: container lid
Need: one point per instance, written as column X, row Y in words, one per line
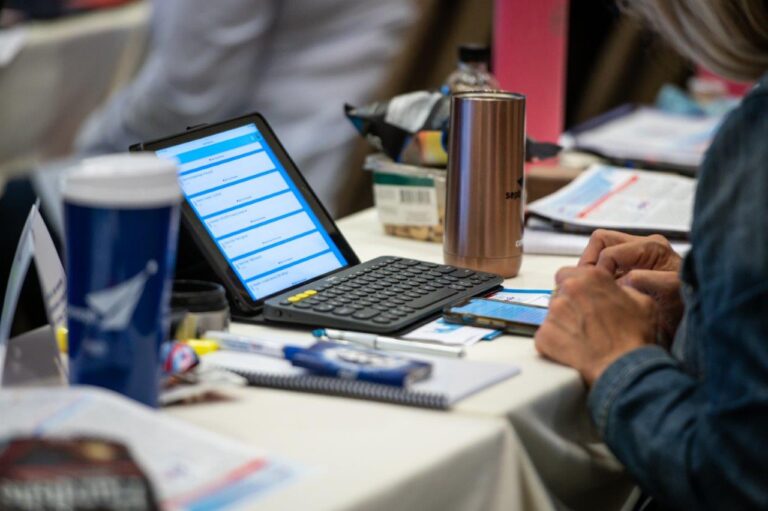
column 198, row 296
column 123, row 180
column 491, row 95
column 475, row 53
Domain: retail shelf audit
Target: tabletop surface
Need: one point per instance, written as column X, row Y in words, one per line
column 344, row 439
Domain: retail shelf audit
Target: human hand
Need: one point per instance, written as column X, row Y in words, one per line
column 664, row 288
column 592, row 321
column 619, row 253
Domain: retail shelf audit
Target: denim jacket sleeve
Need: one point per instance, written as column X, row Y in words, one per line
column 695, row 436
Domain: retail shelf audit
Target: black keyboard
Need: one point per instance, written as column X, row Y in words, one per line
column 383, row 295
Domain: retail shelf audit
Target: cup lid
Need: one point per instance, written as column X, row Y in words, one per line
column 123, row 180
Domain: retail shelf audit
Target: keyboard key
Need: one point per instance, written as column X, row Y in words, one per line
column 445, row 269
column 285, row 302
column 427, row 287
column 433, row 297
column 396, row 301
column 302, row 305
column 323, row 307
column 366, row 313
column 343, row 311
column 462, row 273
column 382, row 320
column 413, row 294
column 410, row 262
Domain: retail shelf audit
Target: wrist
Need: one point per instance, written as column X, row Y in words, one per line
column 597, row 367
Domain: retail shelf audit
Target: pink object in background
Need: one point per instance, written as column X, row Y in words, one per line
column 529, row 57
column 733, row 88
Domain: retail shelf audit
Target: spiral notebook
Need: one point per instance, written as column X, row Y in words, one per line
column 451, row 379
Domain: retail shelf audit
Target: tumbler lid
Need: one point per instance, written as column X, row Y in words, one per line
column 123, row 181
column 490, row 95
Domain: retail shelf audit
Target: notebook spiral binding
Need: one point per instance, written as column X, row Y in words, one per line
column 347, row 388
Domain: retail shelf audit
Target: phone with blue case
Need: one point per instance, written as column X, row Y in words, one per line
column 512, row 318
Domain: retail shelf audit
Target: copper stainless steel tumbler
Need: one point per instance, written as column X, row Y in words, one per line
column 486, row 183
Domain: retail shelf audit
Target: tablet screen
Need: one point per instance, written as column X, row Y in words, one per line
column 253, row 211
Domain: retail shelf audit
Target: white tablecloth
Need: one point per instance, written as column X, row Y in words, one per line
column 413, row 459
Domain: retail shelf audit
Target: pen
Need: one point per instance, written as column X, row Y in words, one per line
column 389, row 344
column 244, row 343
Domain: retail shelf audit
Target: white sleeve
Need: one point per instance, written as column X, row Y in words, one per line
column 202, row 67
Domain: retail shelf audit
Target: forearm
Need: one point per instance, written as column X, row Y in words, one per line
column 656, row 420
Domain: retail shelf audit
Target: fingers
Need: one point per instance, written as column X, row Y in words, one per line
column 645, row 253
column 641, row 299
column 600, row 240
column 570, row 272
column 651, row 282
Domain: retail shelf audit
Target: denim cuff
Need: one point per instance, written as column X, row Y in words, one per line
column 618, row 376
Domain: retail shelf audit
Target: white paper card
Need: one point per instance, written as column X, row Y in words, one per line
column 453, row 334
column 35, row 243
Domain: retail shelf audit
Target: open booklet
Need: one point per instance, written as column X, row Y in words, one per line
column 629, row 200
column 646, row 137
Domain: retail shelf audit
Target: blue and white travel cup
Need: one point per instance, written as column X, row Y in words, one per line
column 121, row 215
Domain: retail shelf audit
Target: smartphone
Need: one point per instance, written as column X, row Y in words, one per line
column 512, row 318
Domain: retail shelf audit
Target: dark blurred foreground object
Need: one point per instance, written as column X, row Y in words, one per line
column 71, row 474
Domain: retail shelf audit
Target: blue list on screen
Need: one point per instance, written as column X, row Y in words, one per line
column 253, row 211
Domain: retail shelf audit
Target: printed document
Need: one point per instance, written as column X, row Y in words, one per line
column 648, row 134
column 621, row 199
column 190, row 468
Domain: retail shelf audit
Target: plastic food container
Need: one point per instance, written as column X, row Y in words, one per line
column 410, row 199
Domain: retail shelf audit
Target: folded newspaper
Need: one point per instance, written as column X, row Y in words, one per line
column 630, row 200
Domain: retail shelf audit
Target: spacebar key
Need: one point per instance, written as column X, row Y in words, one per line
column 427, row 300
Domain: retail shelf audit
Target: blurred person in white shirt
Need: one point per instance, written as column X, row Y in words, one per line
column 295, row 61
